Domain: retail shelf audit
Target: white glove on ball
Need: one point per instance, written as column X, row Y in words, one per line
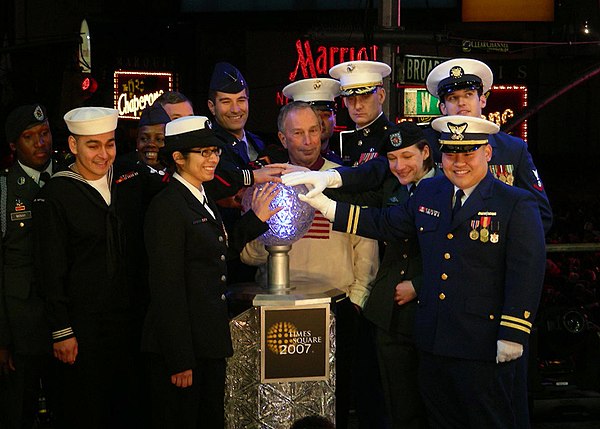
column 318, row 179
column 508, row 350
column 320, row 202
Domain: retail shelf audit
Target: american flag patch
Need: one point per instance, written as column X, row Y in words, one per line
column 320, row 227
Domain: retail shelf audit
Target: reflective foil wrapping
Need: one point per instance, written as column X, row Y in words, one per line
column 292, row 222
column 252, row 404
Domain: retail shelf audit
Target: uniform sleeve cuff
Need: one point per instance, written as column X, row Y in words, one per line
column 62, row 334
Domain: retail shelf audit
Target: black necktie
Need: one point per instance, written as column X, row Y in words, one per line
column 457, row 202
column 44, row 178
column 412, row 189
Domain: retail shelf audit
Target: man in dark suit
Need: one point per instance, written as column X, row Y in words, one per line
column 25, row 352
column 483, row 250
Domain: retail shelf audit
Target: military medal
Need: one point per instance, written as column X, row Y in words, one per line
column 494, row 236
column 484, row 234
column 510, row 178
column 474, row 234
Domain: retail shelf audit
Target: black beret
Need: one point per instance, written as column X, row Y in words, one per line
column 226, row 78
column 22, row 118
column 402, row 135
column 154, row 115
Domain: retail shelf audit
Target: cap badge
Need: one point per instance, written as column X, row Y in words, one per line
column 396, row 139
column 457, row 130
column 456, row 72
column 317, row 84
column 233, row 78
column 38, row 113
column 526, row 314
column 350, row 68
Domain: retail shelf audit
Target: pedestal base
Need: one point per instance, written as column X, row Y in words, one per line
column 252, row 404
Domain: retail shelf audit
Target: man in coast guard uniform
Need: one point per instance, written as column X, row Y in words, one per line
column 25, row 350
column 361, row 84
column 320, row 93
column 483, row 250
column 462, row 85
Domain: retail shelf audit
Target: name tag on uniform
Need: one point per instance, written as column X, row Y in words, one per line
column 20, row 215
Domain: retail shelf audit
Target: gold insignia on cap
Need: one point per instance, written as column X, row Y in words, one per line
column 350, row 68
column 317, row 84
column 457, row 130
column 457, row 72
column 526, row 314
column 38, row 113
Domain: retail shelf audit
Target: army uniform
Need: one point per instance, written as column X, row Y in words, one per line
column 25, row 332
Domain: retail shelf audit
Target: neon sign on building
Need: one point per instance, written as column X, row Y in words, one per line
column 312, row 64
column 136, row 90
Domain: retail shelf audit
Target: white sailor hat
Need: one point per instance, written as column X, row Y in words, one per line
column 459, row 73
column 319, row 92
column 90, row 121
column 189, row 132
column 359, row 77
column 463, row 133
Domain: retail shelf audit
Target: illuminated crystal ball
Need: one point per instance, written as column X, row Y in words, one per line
column 291, row 222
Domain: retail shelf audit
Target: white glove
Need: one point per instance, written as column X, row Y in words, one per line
column 320, row 202
column 318, row 179
column 508, row 350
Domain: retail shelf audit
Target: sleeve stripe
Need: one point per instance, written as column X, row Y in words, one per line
column 355, row 224
column 515, row 326
column 517, row 320
column 350, row 217
column 62, row 333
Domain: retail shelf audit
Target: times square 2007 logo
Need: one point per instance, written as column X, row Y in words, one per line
column 284, row 338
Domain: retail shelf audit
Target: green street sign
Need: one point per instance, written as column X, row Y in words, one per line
column 419, row 102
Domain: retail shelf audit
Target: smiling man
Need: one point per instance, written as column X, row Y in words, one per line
column 483, row 252
column 85, row 279
column 24, row 344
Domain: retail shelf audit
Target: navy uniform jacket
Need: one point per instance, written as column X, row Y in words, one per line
column 233, row 172
column 85, row 259
column 473, row 292
column 512, row 163
column 24, row 326
column 187, row 250
column 360, row 146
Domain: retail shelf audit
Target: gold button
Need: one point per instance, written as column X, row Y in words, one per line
column 450, row 236
column 446, row 255
column 21, row 224
column 442, row 296
column 220, row 238
column 444, row 276
column 406, row 239
column 223, row 278
column 222, row 257
column 359, row 143
column 402, row 272
column 405, row 256
column 421, row 229
column 223, row 297
column 491, row 317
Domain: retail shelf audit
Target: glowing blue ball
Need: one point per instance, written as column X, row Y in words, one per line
column 291, row 222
